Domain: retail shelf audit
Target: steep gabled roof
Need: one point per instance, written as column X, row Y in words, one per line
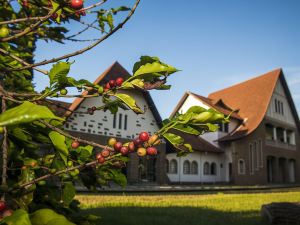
column 252, row 98
column 113, row 72
column 219, row 105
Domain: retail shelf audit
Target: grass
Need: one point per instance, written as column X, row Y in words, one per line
column 181, row 209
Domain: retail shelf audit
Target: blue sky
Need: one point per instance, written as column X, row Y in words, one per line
column 215, row 43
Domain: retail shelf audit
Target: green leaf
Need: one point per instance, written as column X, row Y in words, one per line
column 48, row 217
column 173, row 138
column 59, row 72
column 130, row 102
column 202, row 117
column 19, row 217
column 26, row 113
column 196, row 109
column 110, row 21
column 119, row 178
column 187, row 129
column 155, row 67
column 58, row 141
column 68, row 192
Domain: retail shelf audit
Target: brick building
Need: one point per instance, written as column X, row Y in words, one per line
column 260, row 145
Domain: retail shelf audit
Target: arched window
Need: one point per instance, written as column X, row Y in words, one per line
column 186, row 167
column 241, row 166
column 173, row 166
column 213, row 169
column 167, row 166
column 194, row 167
column 206, row 168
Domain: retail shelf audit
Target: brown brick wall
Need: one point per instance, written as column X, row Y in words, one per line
column 260, row 176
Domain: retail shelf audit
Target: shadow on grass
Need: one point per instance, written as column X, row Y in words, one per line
column 173, row 216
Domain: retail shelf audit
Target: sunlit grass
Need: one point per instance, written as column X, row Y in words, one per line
column 174, row 208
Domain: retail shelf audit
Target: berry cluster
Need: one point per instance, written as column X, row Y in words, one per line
column 143, row 145
column 113, row 83
column 4, row 210
column 91, row 110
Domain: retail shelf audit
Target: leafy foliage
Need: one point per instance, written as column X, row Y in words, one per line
column 44, row 162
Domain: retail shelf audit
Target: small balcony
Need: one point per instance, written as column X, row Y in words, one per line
column 280, row 137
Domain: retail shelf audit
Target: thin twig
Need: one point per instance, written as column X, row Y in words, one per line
column 120, row 25
column 22, row 61
column 4, row 153
column 29, row 29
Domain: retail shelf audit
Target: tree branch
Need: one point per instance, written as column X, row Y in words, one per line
column 22, row 61
column 120, row 25
column 29, row 29
column 4, row 153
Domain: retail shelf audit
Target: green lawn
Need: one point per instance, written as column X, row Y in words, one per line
column 182, row 209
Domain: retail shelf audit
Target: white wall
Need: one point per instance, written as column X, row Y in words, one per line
column 200, row 158
column 212, row 136
column 101, row 123
column 280, row 95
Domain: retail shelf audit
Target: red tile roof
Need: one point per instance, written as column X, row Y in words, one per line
column 251, row 98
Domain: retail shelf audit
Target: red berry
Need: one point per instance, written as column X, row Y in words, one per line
column 118, row 146
column 124, row 150
column 107, row 86
column 25, row 3
column 151, row 151
column 2, row 206
column 54, row 16
column 137, row 142
column 131, row 147
column 90, row 111
column 98, row 156
column 119, row 81
column 105, row 153
column 83, row 13
column 7, row 213
column 112, row 83
column 75, row 144
column 101, row 160
column 76, row 4
column 144, row 136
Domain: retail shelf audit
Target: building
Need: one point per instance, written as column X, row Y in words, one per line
column 260, row 145
column 125, row 125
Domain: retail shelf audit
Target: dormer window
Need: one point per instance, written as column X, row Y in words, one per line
column 224, row 127
column 279, row 106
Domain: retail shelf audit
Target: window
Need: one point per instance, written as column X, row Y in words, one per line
column 279, row 107
column 194, row 168
column 115, row 121
column 255, row 155
column 241, row 167
column 260, row 152
column 251, row 160
column 213, row 169
column 224, row 127
column 186, row 167
column 206, row 168
column 173, row 166
column 120, row 121
column 167, row 166
column 125, row 122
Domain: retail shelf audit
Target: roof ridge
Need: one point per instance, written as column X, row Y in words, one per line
column 277, row 71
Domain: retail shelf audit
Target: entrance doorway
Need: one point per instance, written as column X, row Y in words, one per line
column 147, row 169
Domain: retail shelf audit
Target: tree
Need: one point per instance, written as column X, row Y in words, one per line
column 39, row 160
